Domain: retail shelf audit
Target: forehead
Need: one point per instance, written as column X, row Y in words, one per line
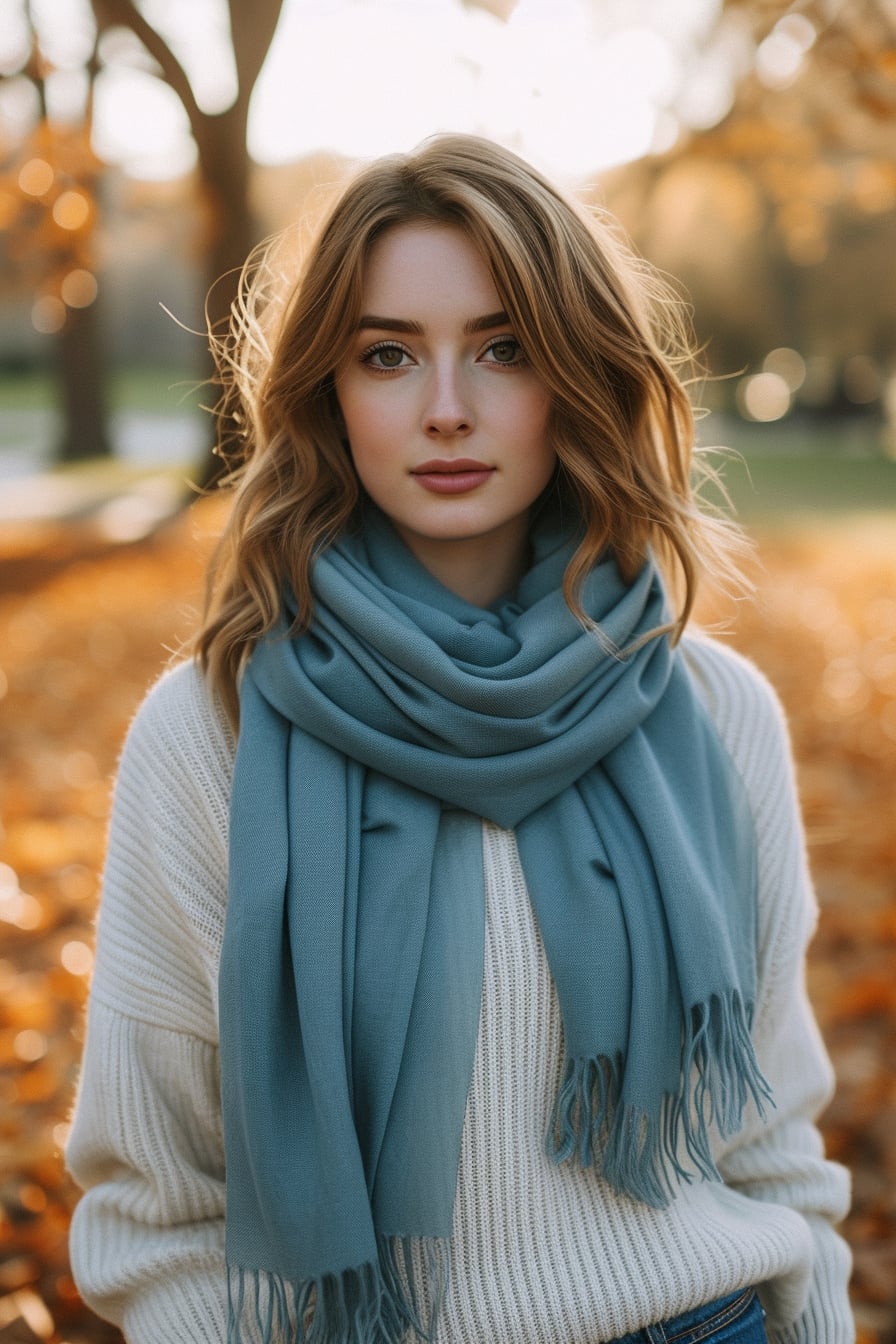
column 432, row 265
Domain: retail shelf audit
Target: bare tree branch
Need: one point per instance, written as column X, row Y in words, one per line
column 252, row 27
column 125, row 14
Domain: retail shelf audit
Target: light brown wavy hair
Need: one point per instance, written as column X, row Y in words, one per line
column 607, row 336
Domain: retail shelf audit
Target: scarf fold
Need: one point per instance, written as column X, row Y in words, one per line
column 370, row 748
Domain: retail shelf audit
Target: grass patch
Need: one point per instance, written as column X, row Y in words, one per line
column 26, row 392
column 776, row 487
column 154, row 390
column 158, row 390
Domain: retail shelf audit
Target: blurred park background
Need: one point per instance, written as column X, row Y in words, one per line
column 747, row 146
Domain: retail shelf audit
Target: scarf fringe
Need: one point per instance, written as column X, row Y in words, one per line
column 370, row 1304
column 638, row 1154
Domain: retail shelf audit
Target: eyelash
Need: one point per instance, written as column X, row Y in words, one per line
column 367, row 356
column 506, row 340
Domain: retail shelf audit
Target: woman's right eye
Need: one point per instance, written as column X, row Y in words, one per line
column 385, row 356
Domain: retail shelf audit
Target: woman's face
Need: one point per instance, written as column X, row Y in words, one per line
column 446, row 421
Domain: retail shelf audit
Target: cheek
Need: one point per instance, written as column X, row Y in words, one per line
column 370, row 437
column 370, row 422
column 534, row 425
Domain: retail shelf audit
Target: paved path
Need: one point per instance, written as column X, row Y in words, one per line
column 118, row 500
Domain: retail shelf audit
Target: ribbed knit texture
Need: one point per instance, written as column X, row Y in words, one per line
column 540, row 1254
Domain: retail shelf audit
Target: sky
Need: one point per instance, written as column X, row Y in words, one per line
column 577, row 86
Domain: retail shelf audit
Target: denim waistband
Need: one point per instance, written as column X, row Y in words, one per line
column 736, row 1318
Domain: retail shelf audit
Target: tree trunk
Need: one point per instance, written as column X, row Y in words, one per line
column 221, row 142
column 81, row 383
column 225, row 166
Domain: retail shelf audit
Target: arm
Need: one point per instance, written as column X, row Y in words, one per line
column 147, row 1240
column 781, row 1159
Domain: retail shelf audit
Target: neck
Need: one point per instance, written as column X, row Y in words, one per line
column 479, row 569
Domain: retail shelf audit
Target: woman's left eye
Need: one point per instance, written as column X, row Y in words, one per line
column 505, row 350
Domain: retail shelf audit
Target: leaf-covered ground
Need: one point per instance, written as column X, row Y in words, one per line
column 84, row 628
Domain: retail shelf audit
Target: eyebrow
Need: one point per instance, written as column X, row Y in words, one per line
column 373, row 322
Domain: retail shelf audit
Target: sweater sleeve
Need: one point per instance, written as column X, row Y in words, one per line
column 146, row 1146
column 781, row 1158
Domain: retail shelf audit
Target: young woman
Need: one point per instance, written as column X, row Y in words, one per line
column 449, row 972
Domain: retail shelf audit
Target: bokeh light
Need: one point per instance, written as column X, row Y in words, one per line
column 79, row 288
column 76, row 957
column 61, row 1132
column 764, row 397
column 66, row 30
column 36, row 177
column 779, row 58
column 79, row 770
column 72, row 210
column 66, row 92
column 32, row 1197
column 29, row 1045
column 16, row 906
column 48, row 314
column 14, row 41
column 787, row 364
column 19, row 106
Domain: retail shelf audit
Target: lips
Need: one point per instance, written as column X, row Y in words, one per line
column 452, row 476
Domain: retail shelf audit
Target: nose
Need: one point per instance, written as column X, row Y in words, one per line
column 447, row 410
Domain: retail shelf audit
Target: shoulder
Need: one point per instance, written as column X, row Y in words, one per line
column 751, row 724
column 727, row 679
column 750, row 721
column 741, row 702
column 181, row 701
column 181, row 720
column 177, row 761
column 165, row 876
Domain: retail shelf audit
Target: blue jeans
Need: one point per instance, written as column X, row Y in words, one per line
column 735, row 1319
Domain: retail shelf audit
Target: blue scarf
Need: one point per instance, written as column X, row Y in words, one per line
column 351, row 970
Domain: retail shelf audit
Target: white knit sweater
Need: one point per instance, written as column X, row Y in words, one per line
column 541, row 1254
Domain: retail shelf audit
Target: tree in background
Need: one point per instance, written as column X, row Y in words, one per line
column 813, row 117
column 223, row 156
column 50, row 186
column 780, row 210
column 224, row 165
